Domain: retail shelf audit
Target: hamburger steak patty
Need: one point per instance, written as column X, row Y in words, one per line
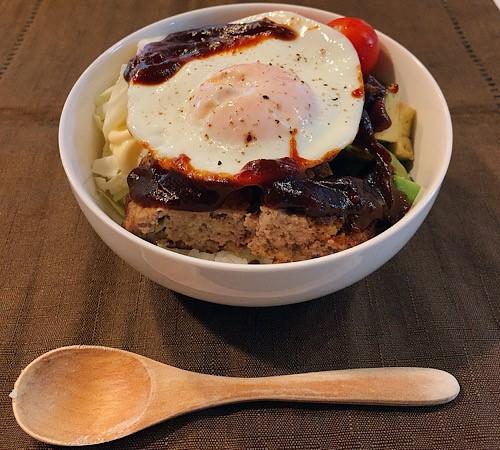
column 210, row 231
column 270, row 234
column 283, row 237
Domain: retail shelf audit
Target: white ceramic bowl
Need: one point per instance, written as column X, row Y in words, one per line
column 254, row 285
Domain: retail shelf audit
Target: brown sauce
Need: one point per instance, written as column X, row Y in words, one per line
column 257, row 172
column 356, row 201
column 264, row 171
column 161, row 60
column 375, row 104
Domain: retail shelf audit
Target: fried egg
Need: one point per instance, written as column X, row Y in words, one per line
column 274, row 99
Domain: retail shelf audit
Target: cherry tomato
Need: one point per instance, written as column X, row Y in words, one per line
column 363, row 38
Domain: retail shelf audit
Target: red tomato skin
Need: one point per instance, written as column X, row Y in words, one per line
column 363, row 38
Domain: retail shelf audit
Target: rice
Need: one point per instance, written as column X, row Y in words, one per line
column 222, row 256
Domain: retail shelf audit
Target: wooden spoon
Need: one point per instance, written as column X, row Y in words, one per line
column 82, row 395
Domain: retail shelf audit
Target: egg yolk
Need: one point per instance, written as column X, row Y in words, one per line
column 244, row 103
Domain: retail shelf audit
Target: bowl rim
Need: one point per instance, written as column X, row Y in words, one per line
column 90, row 202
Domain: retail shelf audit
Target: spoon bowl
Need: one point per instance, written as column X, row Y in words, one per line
column 82, row 395
column 82, row 389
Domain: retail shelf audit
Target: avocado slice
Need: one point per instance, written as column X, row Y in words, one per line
column 392, row 108
column 402, row 148
column 398, row 134
column 408, row 187
column 406, row 118
column 399, row 169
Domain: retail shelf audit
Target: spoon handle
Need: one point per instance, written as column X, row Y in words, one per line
column 402, row 386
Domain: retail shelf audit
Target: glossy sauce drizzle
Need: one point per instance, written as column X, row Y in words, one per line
column 161, row 60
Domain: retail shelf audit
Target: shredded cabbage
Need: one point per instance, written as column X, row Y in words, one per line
column 121, row 151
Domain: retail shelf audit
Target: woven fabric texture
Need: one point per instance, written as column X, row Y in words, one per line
column 437, row 303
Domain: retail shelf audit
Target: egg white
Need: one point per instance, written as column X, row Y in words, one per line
column 158, row 115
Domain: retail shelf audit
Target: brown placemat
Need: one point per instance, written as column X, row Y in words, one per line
column 435, row 304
